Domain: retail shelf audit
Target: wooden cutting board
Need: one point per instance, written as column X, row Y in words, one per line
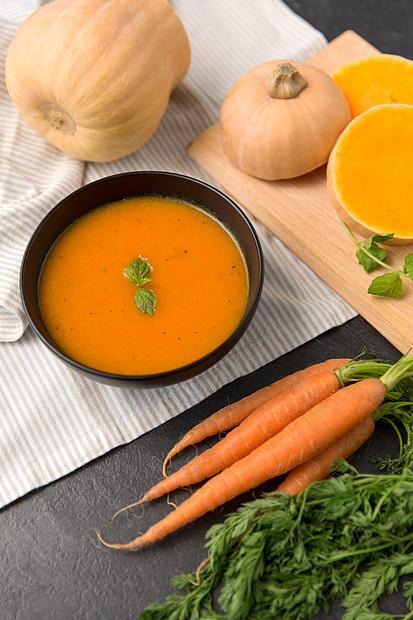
column 298, row 212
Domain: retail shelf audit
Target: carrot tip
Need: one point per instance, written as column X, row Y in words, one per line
column 128, row 507
column 165, row 464
column 132, row 546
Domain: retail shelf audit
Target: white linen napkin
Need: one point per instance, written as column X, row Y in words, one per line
column 52, row 421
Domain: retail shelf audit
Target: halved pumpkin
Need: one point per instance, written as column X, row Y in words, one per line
column 369, row 172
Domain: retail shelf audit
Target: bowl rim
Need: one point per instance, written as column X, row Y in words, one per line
column 165, row 375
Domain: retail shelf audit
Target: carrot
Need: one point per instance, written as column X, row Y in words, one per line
column 319, row 467
column 233, row 414
column 259, row 426
column 301, row 440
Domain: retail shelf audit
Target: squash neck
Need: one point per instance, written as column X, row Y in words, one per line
column 285, row 82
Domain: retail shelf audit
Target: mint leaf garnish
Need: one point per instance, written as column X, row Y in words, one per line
column 387, row 285
column 137, row 272
column 378, row 238
column 369, row 261
column 408, row 265
column 370, row 256
column 145, row 300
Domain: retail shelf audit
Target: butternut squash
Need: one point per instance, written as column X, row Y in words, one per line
column 94, row 76
column 373, row 80
column 369, row 173
column 281, row 119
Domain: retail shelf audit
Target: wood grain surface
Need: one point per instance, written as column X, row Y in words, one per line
column 298, row 212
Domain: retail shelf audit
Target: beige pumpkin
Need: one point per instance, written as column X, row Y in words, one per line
column 94, row 76
column 281, row 119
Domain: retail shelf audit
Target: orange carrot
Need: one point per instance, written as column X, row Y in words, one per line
column 233, row 414
column 319, row 467
column 298, row 442
column 259, row 426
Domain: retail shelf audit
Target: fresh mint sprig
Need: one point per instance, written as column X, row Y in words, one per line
column 370, row 255
column 137, row 272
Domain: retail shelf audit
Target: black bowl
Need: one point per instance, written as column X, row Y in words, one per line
column 121, row 186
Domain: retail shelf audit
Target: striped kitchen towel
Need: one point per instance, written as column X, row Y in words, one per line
column 53, row 421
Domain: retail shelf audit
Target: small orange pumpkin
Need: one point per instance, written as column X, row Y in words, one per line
column 281, row 119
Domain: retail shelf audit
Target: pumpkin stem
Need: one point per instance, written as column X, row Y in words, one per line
column 58, row 118
column 285, row 82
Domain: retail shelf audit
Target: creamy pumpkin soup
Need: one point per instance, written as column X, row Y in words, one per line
column 195, row 280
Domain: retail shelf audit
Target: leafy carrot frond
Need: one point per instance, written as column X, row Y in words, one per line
column 312, row 546
column 400, row 417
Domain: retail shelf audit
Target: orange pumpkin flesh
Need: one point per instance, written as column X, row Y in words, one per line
column 273, row 136
column 375, row 80
column 94, row 76
column 369, row 173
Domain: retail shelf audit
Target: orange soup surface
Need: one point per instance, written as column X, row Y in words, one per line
column 199, row 276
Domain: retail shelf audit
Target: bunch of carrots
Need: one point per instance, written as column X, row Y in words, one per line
column 299, row 426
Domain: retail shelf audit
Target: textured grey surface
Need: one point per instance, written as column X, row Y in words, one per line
column 50, row 568
column 386, row 25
